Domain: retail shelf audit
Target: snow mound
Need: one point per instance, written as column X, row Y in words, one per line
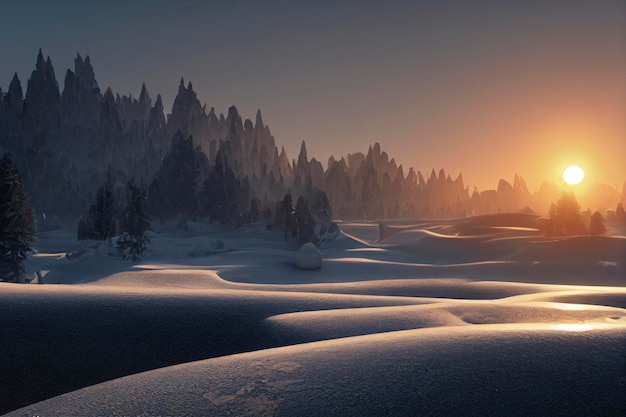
column 309, row 257
column 512, row 370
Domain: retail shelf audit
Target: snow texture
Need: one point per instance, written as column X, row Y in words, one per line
column 498, row 322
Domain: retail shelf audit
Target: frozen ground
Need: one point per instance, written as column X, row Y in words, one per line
column 479, row 316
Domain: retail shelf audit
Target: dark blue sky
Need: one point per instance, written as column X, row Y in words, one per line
column 486, row 88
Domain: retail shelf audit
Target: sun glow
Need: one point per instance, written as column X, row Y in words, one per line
column 573, row 174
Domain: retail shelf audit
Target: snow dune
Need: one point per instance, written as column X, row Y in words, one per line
column 520, row 369
column 462, row 317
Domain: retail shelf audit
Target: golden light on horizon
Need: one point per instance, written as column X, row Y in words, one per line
column 573, row 174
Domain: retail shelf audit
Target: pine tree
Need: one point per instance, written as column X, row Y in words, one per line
column 597, row 224
column 322, row 210
column 289, row 222
column 98, row 223
column 304, row 221
column 134, row 224
column 16, row 224
column 279, row 216
column 565, row 217
column 255, row 210
column 322, row 213
column 173, row 190
column 105, row 206
column 222, row 193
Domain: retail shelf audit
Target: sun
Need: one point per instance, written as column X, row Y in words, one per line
column 573, row 174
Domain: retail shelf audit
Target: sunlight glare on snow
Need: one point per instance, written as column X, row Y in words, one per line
column 571, row 307
column 575, row 327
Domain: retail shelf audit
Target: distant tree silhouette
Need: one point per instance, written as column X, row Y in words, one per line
column 267, row 214
column 596, row 226
column 322, row 212
column 173, row 190
column 255, row 210
column 98, row 223
column 550, row 223
column 279, row 214
column 304, row 222
column 565, row 217
column 620, row 213
column 134, row 224
column 244, row 193
column 222, row 193
column 288, row 216
column 321, row 206
column 16, row 224
column 85, row 229
column 370, row 192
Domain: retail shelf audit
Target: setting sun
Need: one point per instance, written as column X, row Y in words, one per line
column 573, row 174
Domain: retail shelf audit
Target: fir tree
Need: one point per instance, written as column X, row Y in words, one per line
column 289, row 222
column 597, row 224
column 279, row 215
column 305, row 223
column 134, row 224
column 105, row 206
column 255, row 210
column 322, row 214
column 173, row 190
column 321, row 206
column 565, row 217
column 99, row 221
column 221, row 193
column 16, row 224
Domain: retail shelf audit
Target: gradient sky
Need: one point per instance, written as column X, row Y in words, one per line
column 486, row 88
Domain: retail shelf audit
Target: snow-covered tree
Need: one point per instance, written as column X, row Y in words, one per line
column 16, row 224
column 134, row 224
column 322, row 213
